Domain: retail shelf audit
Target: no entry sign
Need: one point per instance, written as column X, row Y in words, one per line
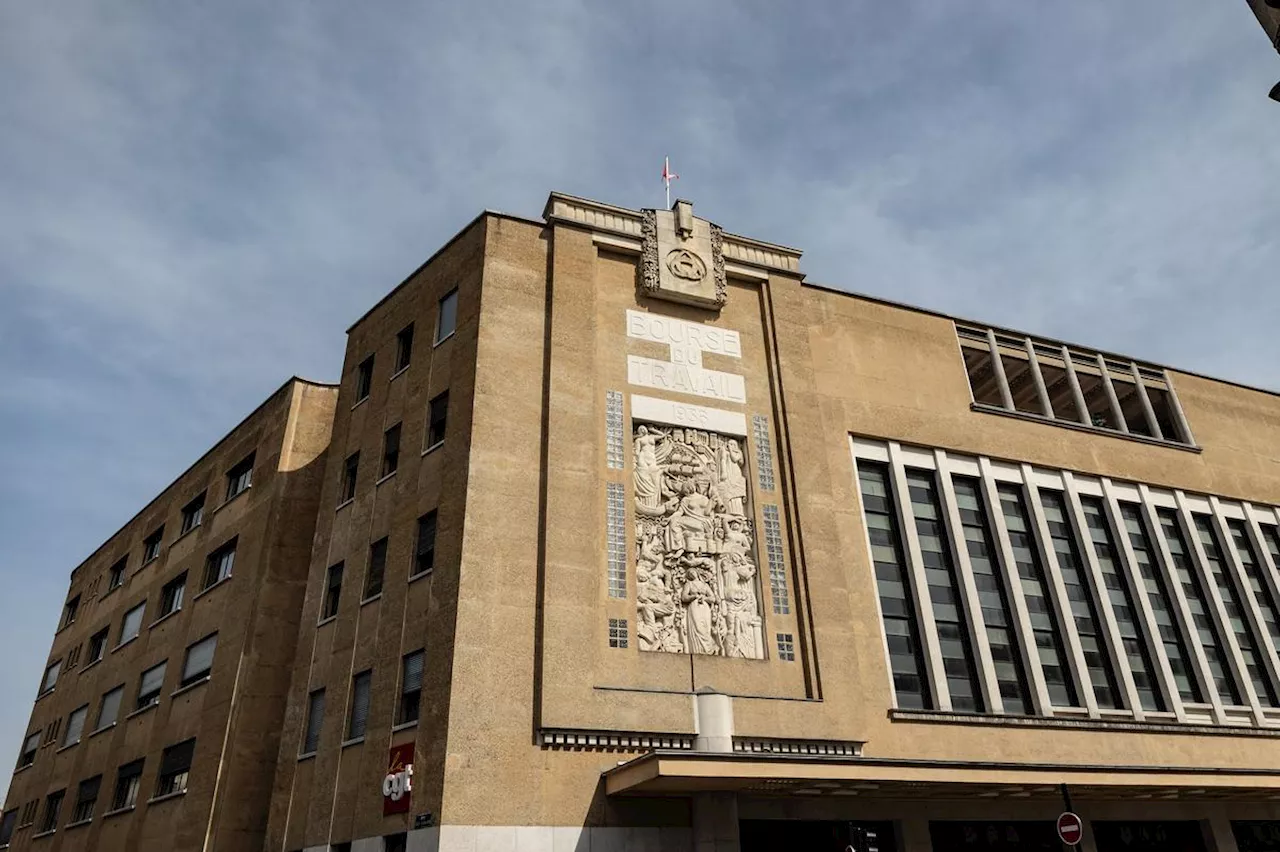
column 1070, row 828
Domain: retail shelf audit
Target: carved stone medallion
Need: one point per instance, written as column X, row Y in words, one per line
column 682, row 257
column 697, row 586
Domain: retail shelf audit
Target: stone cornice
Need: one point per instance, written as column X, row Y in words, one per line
column 605, row 221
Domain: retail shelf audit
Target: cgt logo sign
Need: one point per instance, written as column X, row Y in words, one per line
column 397, row 785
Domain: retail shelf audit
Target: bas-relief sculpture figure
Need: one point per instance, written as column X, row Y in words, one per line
column 696, row 574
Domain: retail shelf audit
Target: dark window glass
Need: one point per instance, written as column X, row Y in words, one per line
column 944, row 594
column 364, row 378
column 171, row 594
column 391, row 450
column 447, row 318
column 127, row 780
column 86, row 799
column 893, row 585
column 315, row 721
column 149, row 686
column 332, row 591
column 50, row 679
column 424, row 554
column 1233, row 602
column 997, row 615
column 7, row 824
column 192, row 513
column 1035, row 592
column 175, row 766
column 1081, row 595
column 395, row 842
column 1198, row 602
column 359, row 705
column 29, row 748
column 69, row 611
column 1255, row 571
column 437, row 416
column 377, row 568
column 199, row 661
column 404, row 347
column 350, row 471
column 52, row 806
column 220, row 563
column 115, row 576
column 151, row 545
column 1137, row 645
column 410, row 687
column 240, row 477
column 98, row 645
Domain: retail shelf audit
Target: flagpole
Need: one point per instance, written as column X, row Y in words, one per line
column 666, row 178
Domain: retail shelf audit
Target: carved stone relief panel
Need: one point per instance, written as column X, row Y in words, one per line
column 697, row 582
column 682, row 257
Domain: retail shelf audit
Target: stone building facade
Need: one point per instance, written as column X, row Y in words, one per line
column 628, row 537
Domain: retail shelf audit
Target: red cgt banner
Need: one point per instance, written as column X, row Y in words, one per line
column 397, row 786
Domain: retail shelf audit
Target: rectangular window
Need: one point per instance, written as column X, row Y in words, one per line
column 359, row 719
column 52, row 805
column 1256, row 574
column 219, row 564
column 109, row 709
column 29, row 748
column 377, row 568
column 151, row 545
column 350, row 471
column 240, row 477
column 98, row 645
column 1198, row 602
column 115, row 576
column 1138, row 649
column 1232, row 601
column 1082, row 595
column 69, row 610
column 86, row 799
column 199, row 660
column 944, row 593
column 786, row 647
column 424, row 552
column 315, row 721
column 437, row 415
column 893, row 585
column 193, row 513
column 391, row 450
column 447, row 317
column 150, row 685
column 773, row 554
column 171, row 594
column 127, row 781
column 615, row 525
column 614, row 455
column 7, row 824
column 51, row 732
column 404, row 347
column 997, row 616
column 131, row 624
column 29, row 813
column 618, row 633
column 73, row 657
column 175, row 766
column 1035, row 591
column 50, row 679
column 75, row 725
column 411, row 686
column 332, row 592
column 364, row 379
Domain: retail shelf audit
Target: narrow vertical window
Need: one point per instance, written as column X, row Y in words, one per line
column 50, row 679
column 131, row 624
column 350, row 472
column 75, row 725
column 1080, row 592
column 1035, row 591
column 437, row 417
column 151, row 545
column 411, row 687
column 332, row 592
column 364, row 379
column 616, row 539
column 1233, row 602
column 69, row 611
column 52, row 805
column 777, row 567
column 218, row 566
column 115, row 576
column 359, row 705
column 447, row 316
column 1198, row 602
column 944, row 593
column 175, row 768
column 86, row 799
column 1136, row 643
column 1162, row 605
column 240, row 477
column 764, row 451
column 29, row 748
column 97, row 645
column 192, row 514
column 377, row 568
column 127, row 782
column 997, row 616
column 1254, row 570
column 171, row 595
column 315, row 722
column 902, row 634
column 7, row 825
column 109, row 709
column 615, row 458
column 391, row 450
column 424, row 551
column 404, row 347
column 199, row 661
column 150, row 685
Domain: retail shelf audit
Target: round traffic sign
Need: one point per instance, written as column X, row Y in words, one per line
column 1070, row 828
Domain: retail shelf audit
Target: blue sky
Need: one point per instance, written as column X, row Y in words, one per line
column 1098, row 171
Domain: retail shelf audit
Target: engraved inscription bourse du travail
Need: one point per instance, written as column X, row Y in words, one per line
column 696, row 575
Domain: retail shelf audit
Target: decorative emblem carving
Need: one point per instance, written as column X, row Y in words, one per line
column 696, row 576
column 687, row 265
column 649, row 269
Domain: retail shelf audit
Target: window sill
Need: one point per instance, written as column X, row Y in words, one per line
column 153, row 705
column 166, row 797
column 431, row 449
column 443, row 339
column 40, row 834
column 147, row 562
column 125, row 642
column 371, row 599
column 78, row 824
column 1080, row 427
column 398, row 373
column 359, row 402
column 201, row 682
column 352, row 741
column 104, row 728
column 209, row 589
column 119, row 811
column 308, row 756
column 24, row 767
column 326, row 620
column 90, row 665
column 420, row 575
column 185, row 533
column 48, row 691
column 61, row 749
column 110, row 590
column 168, row 615
column 232, row 498
column 385, row 478
column 344, row 504
column 404, row 726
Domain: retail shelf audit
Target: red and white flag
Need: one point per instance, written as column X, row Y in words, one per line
column 667, row 177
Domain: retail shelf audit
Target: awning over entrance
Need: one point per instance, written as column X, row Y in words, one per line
column 682, row 772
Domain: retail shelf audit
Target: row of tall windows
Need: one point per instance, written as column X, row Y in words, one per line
column 1004, row 589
